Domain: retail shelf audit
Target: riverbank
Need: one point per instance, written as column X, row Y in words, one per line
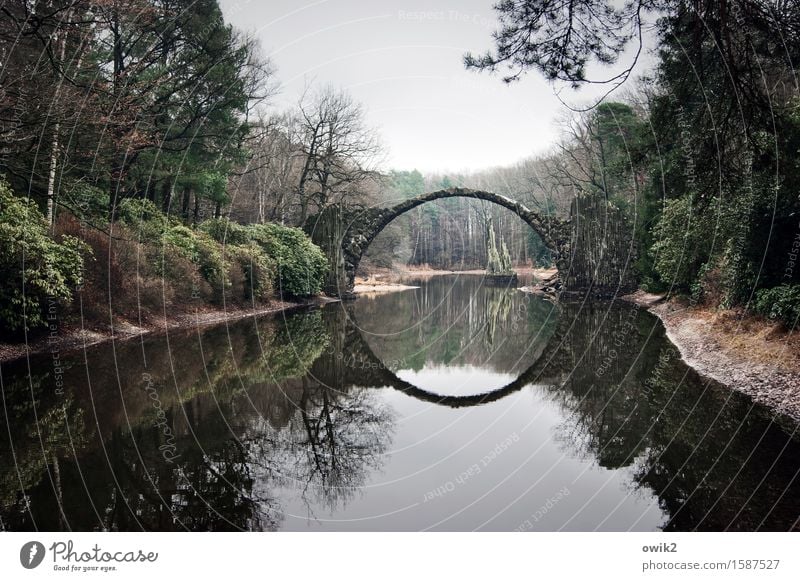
column 74, row 337
column 378, row 284
column 368, row 287
column 742, row 351
column 424, row 272
column 385, row 280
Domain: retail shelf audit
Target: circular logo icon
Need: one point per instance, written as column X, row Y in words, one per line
column 31, row 554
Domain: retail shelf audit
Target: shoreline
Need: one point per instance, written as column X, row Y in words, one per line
column 76, row 339
column 522, row 270
column 385, row 281
column 743, row 352
column 369, row 288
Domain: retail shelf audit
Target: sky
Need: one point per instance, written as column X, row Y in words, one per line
column 403, row 61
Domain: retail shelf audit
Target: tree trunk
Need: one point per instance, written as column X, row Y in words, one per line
column 118, row 164
column 51, row 178
column 187, row 194
column 167, row 197
column 303, row 208
column 196, row 209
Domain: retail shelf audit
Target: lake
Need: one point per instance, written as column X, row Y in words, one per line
column 454, row 406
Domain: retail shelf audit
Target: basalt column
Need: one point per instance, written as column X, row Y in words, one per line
column 327, row 230
column 601, row 253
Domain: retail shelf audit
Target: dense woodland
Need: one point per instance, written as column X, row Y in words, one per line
column 702, row 152
column 143, row 166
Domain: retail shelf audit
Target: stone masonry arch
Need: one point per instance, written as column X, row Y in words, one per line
column 592, row 249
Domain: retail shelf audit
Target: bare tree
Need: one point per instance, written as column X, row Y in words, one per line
column 340, row 152
column 267, row 184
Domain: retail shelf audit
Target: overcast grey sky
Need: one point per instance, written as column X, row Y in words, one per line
column 403, row 61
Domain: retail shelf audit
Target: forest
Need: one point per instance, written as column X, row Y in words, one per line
column 143, row 167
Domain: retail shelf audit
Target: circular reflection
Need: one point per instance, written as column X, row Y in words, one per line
column 456, row 335
column 461, row 380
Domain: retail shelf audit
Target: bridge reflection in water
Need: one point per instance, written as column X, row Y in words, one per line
column 324, row 417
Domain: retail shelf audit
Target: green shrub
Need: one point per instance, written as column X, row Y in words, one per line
column 257, row 268
column 681, row 244
column 780, row 302
column 301, row 265
column 34, row 268
column 225, row 232
column 171, row 274
column 86, row 202
column 257, row 259
column 144, row 218
column 201, row 249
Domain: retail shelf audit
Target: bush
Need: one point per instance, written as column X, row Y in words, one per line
column 201, row 249
column 708, row 287
column 88, row 203
column 174, row 273
column 781, row 302
column 256, row 259
column 99, row 268
column 134, row 272
column 681, row 244
column 34, row 268
column 257, row 269
column 225, row 232
column 301, row 265
column 144, row 218
column 171, row 261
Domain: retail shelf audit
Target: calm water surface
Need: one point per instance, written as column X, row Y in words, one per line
column 454, row 406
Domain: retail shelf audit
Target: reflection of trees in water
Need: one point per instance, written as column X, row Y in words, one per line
column 714, row 462
column 235, row 425
column 209, row 486
column 333, row 441
column 345, row 434
column 49, row 428
column 454, row 321
column 275, row 410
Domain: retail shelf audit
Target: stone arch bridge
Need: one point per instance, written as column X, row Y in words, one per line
column 593, row 248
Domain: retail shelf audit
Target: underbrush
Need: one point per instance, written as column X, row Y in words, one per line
column 143, row 266
column 781, row 303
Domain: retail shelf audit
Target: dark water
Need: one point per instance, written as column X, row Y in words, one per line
column 455, row 406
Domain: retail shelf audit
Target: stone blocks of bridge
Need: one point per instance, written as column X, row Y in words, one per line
column 594, row 249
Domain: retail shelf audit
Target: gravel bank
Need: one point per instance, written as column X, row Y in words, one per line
column 745, row 353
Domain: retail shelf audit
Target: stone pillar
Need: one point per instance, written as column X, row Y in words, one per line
column 327, row 230
column 601, row 250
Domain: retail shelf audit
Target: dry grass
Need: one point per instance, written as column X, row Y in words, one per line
column 752, row 337
column 741, row 335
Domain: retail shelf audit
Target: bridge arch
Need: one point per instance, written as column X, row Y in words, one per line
column 546, row 227
column 345, row 234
